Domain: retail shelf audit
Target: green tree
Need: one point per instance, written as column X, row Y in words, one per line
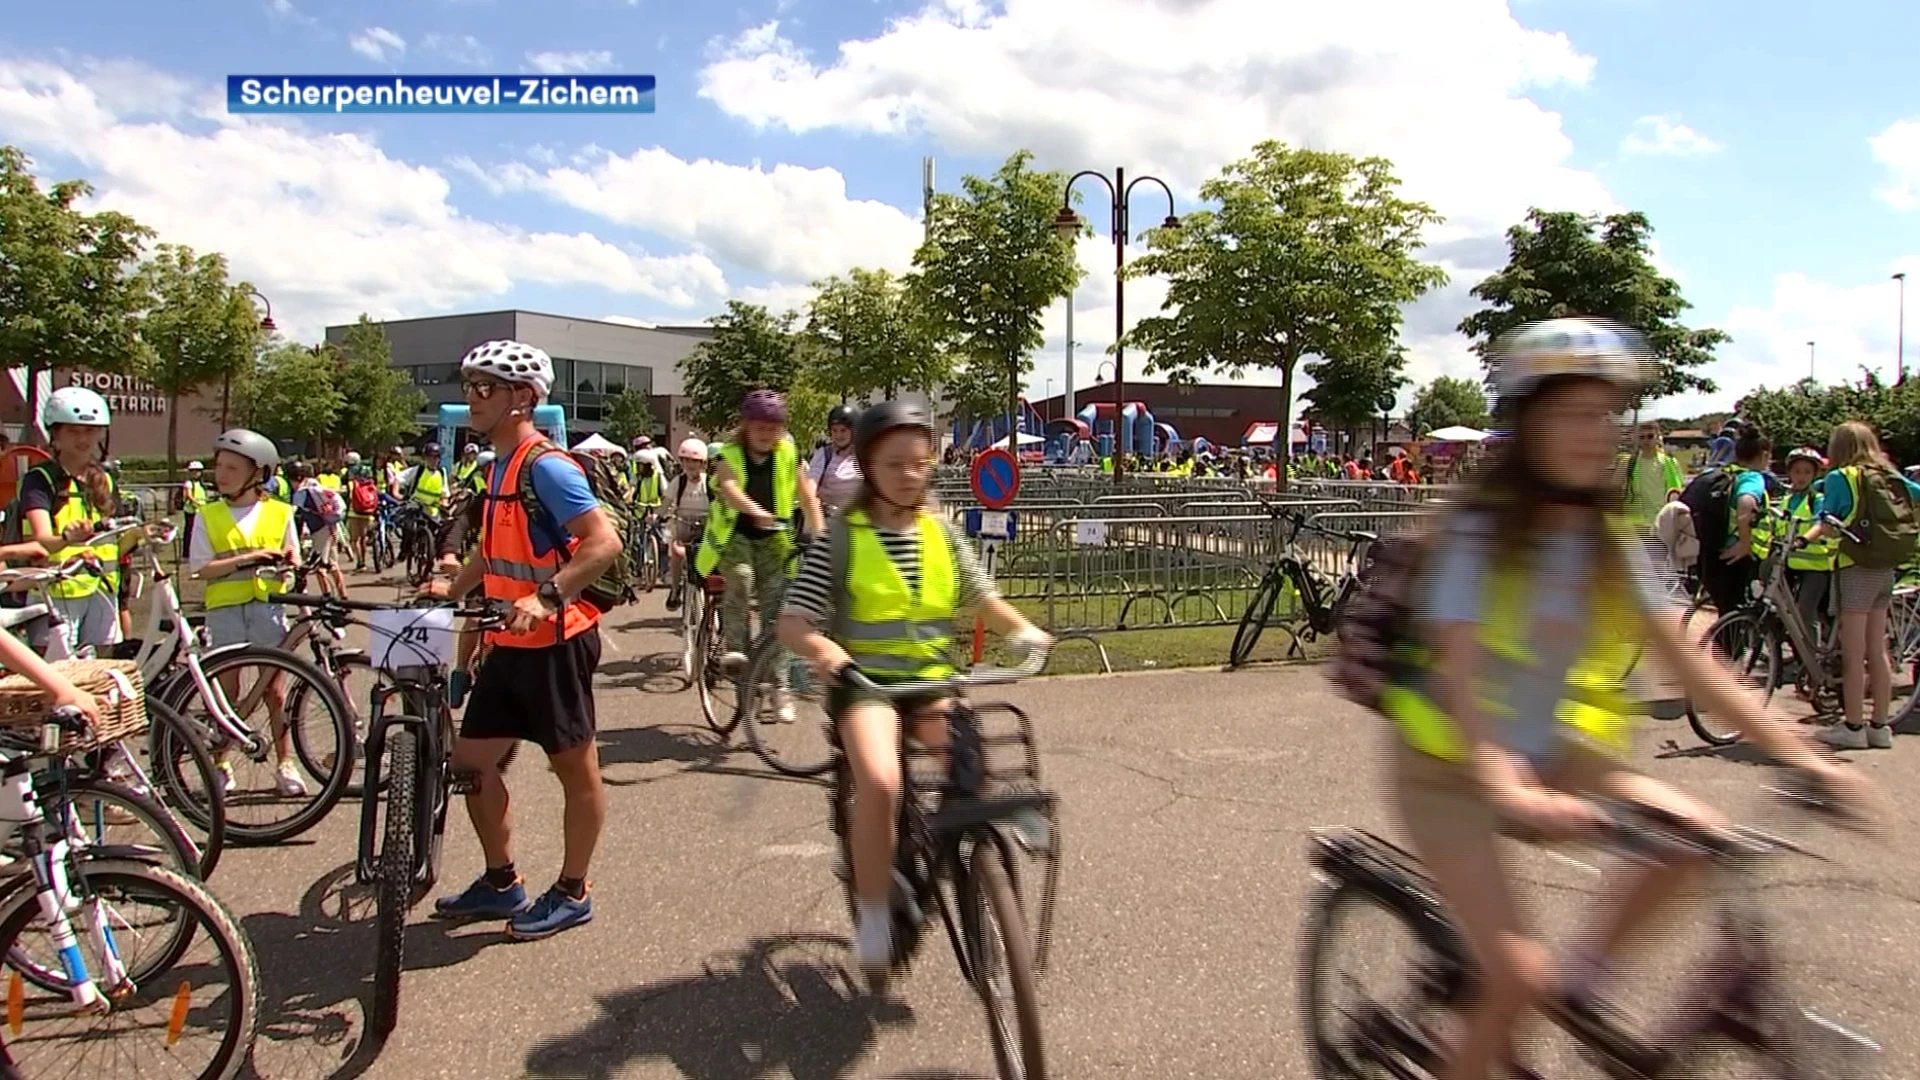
column 290, row 393
column 1355, row 388
column 1447, row 401
column 1805, row 414
column 751, row 348
column 70, row 291
column 630, row 415
column 1308, row 254
column 379, row 406
column 869, row 336
column 199, row 327
column 990, row 265
column 1562, row 263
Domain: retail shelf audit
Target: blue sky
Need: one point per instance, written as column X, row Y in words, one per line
column 1776, row 146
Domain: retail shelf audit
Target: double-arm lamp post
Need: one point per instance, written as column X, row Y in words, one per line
column 1067, row 224
column 267, row 324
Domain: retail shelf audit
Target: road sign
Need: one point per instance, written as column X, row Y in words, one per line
column 996, row 478
column 990, row 524
column 989, row 556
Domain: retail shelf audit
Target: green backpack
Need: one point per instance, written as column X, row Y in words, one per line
column 611, row 487
column 1885, row 521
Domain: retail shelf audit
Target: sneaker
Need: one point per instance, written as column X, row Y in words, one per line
column 483, row 901
column 286, row 779
column 673, row 600
column 553, row 912
column 783, row 706
column 226, row 778
column 1879, row 737
column 1844, row 737
column 733, row 664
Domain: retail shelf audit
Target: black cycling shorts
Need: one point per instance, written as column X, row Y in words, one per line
column 542, row 696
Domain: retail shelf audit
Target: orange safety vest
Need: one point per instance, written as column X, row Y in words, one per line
column 513, row 570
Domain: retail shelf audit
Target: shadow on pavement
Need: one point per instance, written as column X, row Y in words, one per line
column 1740, row 753
column 654, row 673
column 783, row 1006
column 649, row 745
column 658, row 622
column 315, row 977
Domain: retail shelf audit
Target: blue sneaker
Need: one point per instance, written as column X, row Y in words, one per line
column 553, row 912
column 483, row 901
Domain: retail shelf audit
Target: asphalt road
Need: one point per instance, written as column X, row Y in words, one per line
column 717, row 951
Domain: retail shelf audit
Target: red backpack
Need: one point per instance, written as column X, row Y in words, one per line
column 365, row 496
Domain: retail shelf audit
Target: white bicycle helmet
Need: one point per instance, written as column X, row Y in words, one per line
column 251, row 445
column 470, row 448
column 1525, row 357
column 194, row 466
column 512, row 362
column 693, row 449
column 487, row 457
column 75, row 405
column 353, row 457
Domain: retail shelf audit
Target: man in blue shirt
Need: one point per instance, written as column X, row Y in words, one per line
column 1729, row 577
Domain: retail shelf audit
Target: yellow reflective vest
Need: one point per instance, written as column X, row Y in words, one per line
column 721, row 516
column 893, row 633
column 268, row 533
column 72, row 510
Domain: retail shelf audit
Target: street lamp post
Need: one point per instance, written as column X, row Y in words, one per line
column 1067, row 224
column 1809, row 360
column 1047, row 417
column 1900, row 361
column 267, row 324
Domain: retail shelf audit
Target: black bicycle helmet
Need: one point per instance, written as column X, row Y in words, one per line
column 840, row 414
column 877, row 420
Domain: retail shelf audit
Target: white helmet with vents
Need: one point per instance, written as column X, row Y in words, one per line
column 512, row 362
column 75, row 405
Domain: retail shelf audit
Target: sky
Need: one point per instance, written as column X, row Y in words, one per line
column 1774, row 145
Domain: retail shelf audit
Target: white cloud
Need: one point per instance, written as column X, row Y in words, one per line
column 459, row 48
column 1898, row 148
column 561, row 63
column 787, row 222
column 328, row 225
column 375, row 42
column 1666, row 135
column 285, row 9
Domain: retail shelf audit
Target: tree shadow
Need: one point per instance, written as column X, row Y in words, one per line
column 1740, row 753
column 316, row 978
column 783, row 1006
column 658, row 622
column 654, row 673
column 694, row 747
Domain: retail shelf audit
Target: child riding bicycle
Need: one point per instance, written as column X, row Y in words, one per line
column 903, row 577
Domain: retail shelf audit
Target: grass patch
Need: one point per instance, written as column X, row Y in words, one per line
column 1162, row 647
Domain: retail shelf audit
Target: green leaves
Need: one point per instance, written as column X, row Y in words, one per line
column 1307, row 254
column 1447, row 401
column 378, row 404
column 630, row 415
column 291, row 393
column 1562, row 263
column 1805, row 414
column 751, row 348
column 869, row 338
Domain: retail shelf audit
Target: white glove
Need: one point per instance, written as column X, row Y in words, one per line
column 1031, row 640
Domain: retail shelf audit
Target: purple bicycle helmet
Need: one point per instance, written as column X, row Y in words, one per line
column 766, row 405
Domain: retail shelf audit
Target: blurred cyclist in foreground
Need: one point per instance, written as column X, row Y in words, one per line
column 1528, row 604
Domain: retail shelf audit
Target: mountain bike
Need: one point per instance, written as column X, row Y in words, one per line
column 414, row 526
column 131, row 997
column 1738, row 1002
column 771, row 690
column 1322, row 600
column 956, row 847
column 409, row 753
column 1752, row 637
column 648, row 543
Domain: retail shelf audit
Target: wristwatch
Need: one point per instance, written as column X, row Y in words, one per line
column 549, row 593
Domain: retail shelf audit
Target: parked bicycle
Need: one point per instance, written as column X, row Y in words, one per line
column 960, row 839
column 1752, row 638
column 649, row 545
column 130, row 995
column 1739, row 1001
column 773, row 689
column 1322, row 600
column 409, row 754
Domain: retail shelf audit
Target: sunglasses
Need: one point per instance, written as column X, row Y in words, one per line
column 481, row 388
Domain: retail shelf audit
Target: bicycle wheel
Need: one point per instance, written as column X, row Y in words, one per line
column 719, row 697
column 394, row 880
column 1401, row 985
column 187, row 780
column 1254, row 620
column 785, row 711
column 258, row 812
column 999, row 963
column 1750, row 645
column 692, row 609
column 194, row 1016
column 1903, row 646
column 419, row 556
column 357, row 678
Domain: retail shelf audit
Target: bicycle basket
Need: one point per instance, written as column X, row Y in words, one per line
column 115, row 684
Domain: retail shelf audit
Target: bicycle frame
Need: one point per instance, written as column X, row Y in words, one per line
column 423, row 692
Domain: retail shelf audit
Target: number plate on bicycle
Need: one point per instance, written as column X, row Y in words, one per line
column 420, row 637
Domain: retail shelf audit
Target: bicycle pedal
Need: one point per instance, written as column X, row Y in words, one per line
column 463, row 782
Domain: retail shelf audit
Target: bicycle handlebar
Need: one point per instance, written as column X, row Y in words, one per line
column 71, row 567
column 1035, row 662
column 477, row 608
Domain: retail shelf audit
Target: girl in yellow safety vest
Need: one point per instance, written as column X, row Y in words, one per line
column 1531, row 600
column 60, row 503
column 905, row 577
column 233, row 539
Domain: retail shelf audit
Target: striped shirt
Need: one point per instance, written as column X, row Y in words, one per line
column 811, row 593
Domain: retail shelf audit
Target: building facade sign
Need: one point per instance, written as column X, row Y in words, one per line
column 124, row 393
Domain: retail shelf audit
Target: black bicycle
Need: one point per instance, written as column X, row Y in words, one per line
column 961, row 838
column 409, row 756
column 1322, row 599
column 648, row 543
column 1739, row 1003
column 415, row 526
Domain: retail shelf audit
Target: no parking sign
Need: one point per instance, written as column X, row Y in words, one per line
column 996, row 478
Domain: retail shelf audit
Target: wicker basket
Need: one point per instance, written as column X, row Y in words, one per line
column 122, row 713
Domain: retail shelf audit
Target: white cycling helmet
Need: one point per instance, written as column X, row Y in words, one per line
column 353, row 457
column 470, row 448
column 75, row 405
column 194, row 466
column 251, row 445
column 512, row 362
column 693, row 449
column 487, row 457
column 1525, row 357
